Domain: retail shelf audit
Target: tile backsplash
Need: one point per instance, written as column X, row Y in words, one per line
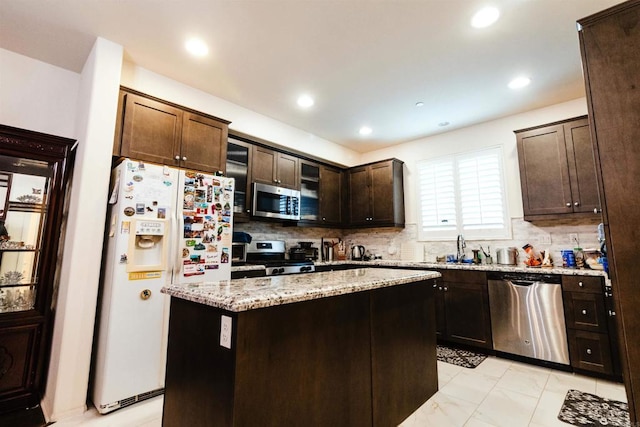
column 398, row 243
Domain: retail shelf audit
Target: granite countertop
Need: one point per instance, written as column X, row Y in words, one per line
column 248, row 294
column 481, row 267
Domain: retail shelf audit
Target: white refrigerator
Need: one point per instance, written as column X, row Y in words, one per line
column 165, row 225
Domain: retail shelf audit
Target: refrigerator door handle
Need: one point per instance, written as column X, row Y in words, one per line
column 177, row 266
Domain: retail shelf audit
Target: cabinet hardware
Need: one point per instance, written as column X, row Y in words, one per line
column 584, row 312
column 589, row 351
column 612, row 313
column 568, row 204
column 576, row 203
column 446, row 289
column 177, row 158
column 184, row 159
column 580, row 284
column 595, row 211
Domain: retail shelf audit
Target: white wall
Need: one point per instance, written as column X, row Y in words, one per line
column 68, row 376
column 242, row 119
column 495, row 133
column 37, row 96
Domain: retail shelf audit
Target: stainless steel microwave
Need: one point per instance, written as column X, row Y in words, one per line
column 270, row 201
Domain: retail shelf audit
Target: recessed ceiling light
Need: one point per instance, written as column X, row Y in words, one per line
column 305, row 101
column 420, row 104
column 365, row 130
column 519, row 82
column 196, row 47
column 485, row 17
column 443, row 124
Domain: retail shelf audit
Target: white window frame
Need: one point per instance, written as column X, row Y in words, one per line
column 444, row 232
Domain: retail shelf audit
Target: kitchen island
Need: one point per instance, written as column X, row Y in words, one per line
column 353, row 348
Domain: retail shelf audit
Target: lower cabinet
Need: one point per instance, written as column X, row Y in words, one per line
column 462, row 308
column 590, row 340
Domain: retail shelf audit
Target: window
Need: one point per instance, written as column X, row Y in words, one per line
column 463, row 194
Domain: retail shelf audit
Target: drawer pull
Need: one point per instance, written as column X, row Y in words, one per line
column 445, row 289
column 584, row 312
column 580, row 284
column 612, row 313
column 589, row 351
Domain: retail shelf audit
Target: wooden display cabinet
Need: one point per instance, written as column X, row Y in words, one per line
column 34, row 173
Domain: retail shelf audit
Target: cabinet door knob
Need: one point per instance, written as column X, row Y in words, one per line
column 568, row 204
column 589, row 351
column 595, row 211
column 584, row 312
column 576, row 203
column 184, row 159
column 446, row 289
column 177, row 158
column 324, row 218
column 580, row 284
column 612, row 313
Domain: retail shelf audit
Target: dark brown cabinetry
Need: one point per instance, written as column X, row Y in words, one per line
column 361, row 359
column 610, row 42
column 275, row 168
column 156, row 131
column 34, row 172
column 239, row 168
column 587, row 324
column 376, row 195
column 557, row 171
column 321, row 194
column 462, row 308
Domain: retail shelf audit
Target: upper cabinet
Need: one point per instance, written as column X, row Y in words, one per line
column 275, row 168
column 376, row 194
column 239, row 168
column 321, row 193
column 152, row 130
column 557, row 171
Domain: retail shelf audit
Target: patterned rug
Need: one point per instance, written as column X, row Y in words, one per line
column 584, row 409
column 464, row 358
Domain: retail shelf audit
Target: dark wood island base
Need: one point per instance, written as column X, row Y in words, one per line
column 360, row 359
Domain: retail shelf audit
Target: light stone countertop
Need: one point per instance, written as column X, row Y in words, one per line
column 247, row 267
column 252, row 293
column 472, row 267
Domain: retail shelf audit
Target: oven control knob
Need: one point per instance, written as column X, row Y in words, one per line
column 303, row 269
column 280, row 270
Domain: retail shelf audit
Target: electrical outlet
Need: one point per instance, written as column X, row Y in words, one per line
column 545, row 239
column 225, row 331
column 573, row 239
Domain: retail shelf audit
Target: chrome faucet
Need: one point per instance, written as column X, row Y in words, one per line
column 461, row 245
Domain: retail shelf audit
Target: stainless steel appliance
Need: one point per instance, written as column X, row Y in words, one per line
column 270, row 201
column 271, row 253
column 527, row 315
column 507, row 256
column 357, row 252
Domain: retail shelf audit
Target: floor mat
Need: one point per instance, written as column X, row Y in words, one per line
column 585, row 409
column 464, row 358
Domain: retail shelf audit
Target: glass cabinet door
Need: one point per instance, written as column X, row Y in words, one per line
column 24, row 186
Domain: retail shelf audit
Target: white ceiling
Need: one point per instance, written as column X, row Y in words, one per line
column 366, row 62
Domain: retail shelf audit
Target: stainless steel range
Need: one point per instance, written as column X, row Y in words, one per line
column 271, row 253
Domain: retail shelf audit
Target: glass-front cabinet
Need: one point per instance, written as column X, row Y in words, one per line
column 34, row 173
column 22, row 217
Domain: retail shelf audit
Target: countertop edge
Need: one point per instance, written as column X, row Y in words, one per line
column 253, row 293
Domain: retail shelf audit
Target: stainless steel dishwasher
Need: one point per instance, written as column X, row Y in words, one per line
column 527, row 315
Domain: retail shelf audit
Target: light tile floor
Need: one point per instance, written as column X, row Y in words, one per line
column 497, row 393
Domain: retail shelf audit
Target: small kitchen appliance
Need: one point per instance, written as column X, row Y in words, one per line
column 357, row 252
column 270, row 201
column 507, row 256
